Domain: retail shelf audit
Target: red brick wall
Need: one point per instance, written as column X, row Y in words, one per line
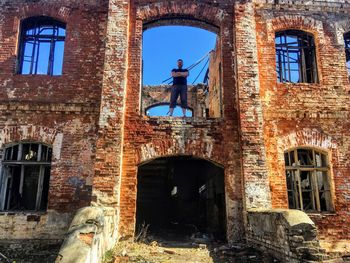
column 64, row 108
column 92, row 112
column 214, row 100
column 254, row 172
column 313, row 115
column 110, row 139
column 148, row 138
column 83, row 56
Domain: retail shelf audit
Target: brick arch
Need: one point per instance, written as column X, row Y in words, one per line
column 183, row 155
column 182, row 12
column 61, row 14
column 310, row 138
column 42, row 134
column 302, row 23
column 307, row 137
column 297, row 22
column 168, row 148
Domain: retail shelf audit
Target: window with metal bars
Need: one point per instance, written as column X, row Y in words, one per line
column 41, row 46
column 24, row 177
column 308, row 180
column 347, row 51
column 295, row 57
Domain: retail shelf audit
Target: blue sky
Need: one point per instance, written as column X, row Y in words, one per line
column 163, row 46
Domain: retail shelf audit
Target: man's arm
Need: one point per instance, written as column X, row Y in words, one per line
column 184, row 74
column 180, row 74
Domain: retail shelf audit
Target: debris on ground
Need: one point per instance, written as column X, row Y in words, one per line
column 170, row 251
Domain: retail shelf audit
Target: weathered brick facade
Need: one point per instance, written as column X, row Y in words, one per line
column 61, row 111
column 93, row 118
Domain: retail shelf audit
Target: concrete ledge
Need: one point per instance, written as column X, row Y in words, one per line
column 91, row 233
column 289, row 235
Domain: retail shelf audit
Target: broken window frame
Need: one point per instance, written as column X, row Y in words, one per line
column 305, row 50
column 347, row 51
column 22, row 156
column 312, row 168
column 31, row 32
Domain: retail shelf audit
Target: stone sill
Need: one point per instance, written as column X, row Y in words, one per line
column 316, row 214
column 22, row 212
column 177, row 120
column 31, row 216
column 39, row 76
column 298, row 85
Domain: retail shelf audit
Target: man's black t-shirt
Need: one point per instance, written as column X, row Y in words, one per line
column 179, row 80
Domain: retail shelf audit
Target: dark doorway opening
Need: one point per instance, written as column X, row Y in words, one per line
column 181, row 194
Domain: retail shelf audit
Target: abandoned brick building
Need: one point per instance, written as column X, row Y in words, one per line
column 270, row 134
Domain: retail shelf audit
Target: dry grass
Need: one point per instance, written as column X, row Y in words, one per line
column 127, row 251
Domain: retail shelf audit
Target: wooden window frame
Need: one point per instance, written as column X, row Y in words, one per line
column 295, row 169
column 42, row 160
column 306, row 57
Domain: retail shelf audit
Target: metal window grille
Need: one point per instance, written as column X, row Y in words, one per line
column 41, row 46
column 295, row 57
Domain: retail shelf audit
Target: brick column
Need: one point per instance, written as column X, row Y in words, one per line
column 256, row 181
column 109, row 142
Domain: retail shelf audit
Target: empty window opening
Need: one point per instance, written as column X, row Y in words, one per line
column 347, row 51
column 180, row 197
column 296, row 57
column 24, row 181
column 158, row 110
column 201, row 54
column 41, row 46
column 308, row 180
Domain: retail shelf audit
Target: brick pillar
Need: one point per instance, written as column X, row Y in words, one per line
column 109, row 142
column 231, row 151
column 256, row 181
column 128, row 181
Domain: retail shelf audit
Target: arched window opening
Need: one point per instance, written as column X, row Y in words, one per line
column 200, row 53
column 295, row 57
column 308, row 180
column 25, row 176
column 162, row 109
column 41, row 46
column 347, row 51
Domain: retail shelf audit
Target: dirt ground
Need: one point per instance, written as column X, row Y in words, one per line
column 161, row 251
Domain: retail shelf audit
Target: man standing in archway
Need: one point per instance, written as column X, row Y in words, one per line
column 179, row 88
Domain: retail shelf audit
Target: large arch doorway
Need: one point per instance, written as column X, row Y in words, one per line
column 213, row 138
column 181, row 195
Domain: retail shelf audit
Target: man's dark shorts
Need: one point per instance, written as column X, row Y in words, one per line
column 177, row 90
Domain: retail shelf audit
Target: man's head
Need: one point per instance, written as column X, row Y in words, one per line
column 179, row 63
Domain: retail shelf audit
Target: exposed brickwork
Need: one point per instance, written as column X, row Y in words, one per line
column 215, row 70
column 108, row 156
column 255, row 175
column 313, row 115
column 61, row 111
column 151, row 138
column 92, row 116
